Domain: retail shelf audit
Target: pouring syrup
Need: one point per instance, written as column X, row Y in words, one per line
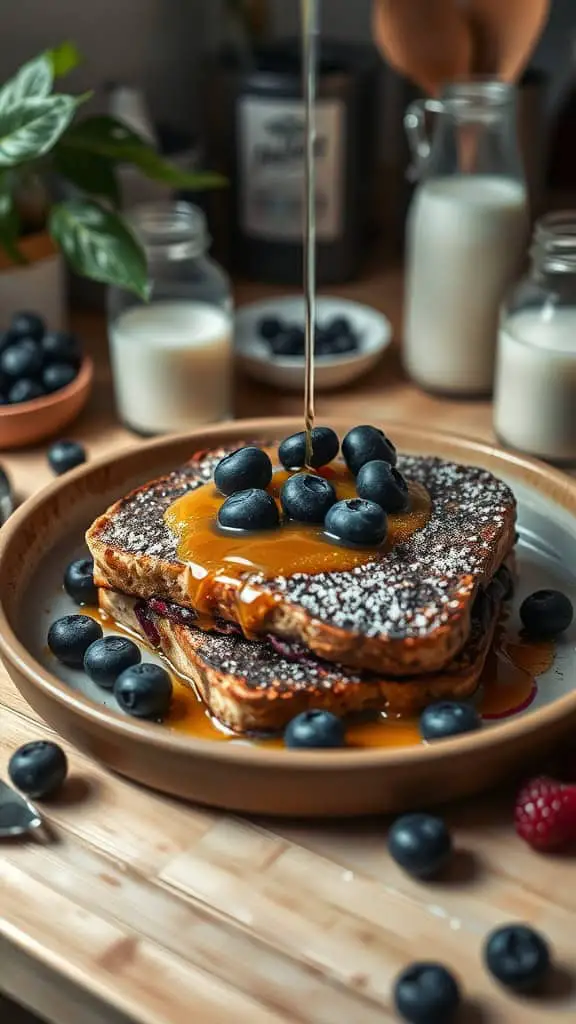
column 310, row 24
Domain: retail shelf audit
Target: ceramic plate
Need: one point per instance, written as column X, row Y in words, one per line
column 47, row 532
column 373, row 329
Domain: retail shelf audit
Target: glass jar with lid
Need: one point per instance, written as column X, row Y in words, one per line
column 535, row 396
column 172, row 356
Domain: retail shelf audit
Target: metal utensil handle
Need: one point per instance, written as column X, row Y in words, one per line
column 418, row 138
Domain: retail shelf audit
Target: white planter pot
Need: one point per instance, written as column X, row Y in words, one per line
column 39, row 286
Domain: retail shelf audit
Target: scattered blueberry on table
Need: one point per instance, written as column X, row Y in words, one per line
column 427, row 993
column 517, row 956
column 144, row 690
column 546, row 614
column 108, row 657
column 38, row 769
column 315, row 730
column 448, row 718
column 35, row 362
column 70, row 637
column 420, row 843
column 65, row 455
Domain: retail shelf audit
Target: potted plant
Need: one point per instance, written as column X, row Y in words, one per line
column 42, row 139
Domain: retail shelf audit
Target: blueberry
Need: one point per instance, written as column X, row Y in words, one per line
column 58, row 375
column 24, row 359
column 339, row 326
column 325, row 445
column 448, row 718
column 106, row 659
column 364, row 444
column 79, row 582
column 38, row 769
column 25, row 390
column 357, row 521
column 307, row 498
column 378, row 481
column 289, row 343
column 420, row 843
column 343, row 345
column 252, row 509
column 144, row 690
column 62, row 347
column 426, row 993
column 517, row 956
column 244, row 468
column 65, row 455
column 270, row 327
column 70, row 637
column 546, row 614
column 27, row 325
column 6, row 339
column 314, row 730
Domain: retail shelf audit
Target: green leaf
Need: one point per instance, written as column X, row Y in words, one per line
column 9, row 222
column 32, row 82
column 106, row 136
column 30, row 129
column 90, row 172
column 64, row 58
column 98, row 244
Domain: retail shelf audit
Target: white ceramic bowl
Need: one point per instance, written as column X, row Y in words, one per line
column 287, row 372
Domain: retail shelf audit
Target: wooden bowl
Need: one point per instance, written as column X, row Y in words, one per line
column 31, row 422
column 255, row 779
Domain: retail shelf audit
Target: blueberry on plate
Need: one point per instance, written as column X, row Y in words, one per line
column 290, row 343
column 306, row 498
column 426, row 993
column 65, row 455
column 144, row 690
column 23, row 359
column 357, row 522
column 420, row 843
column 546, row 614
column 58, row 375
column 252, row 509
column 107, row 658
column 315, row 730
column 70, row 637
column 27, row 325
column 62, row 347
column 517, row 956
column 448, row 718
column 244, row 468
column 25, row 390
column 38, row 769
column 380, row 482
column 365, row 444
column 79, row 581
column 325, row 446
column 270, row 327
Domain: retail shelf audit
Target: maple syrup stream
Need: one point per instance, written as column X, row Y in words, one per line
column 310, row 16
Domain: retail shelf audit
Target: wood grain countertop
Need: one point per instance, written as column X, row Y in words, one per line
column 137, row 908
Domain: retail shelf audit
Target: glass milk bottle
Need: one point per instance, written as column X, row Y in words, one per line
column 535, row 398
column 172, row 356
column 466, row 234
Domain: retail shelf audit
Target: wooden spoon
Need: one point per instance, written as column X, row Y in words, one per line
column 504, row 33
column 429, row 41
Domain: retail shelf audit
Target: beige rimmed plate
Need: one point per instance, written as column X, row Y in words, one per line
column 47, row 532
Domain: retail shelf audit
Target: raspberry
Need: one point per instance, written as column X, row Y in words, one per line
column 545, row 813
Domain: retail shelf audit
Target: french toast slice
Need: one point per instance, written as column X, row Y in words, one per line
column 261, row 685
column 402, row 613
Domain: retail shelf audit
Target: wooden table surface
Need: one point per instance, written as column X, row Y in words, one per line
column 135, row 907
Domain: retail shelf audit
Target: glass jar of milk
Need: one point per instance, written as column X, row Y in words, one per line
column 466, row 234
column 172, row 356
column 535, row 398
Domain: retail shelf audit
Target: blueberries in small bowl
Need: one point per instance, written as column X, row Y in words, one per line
column 337, row 337
column 518, row 956
column 420, row 843
column 34, row 362
column 144, row 690
column 315, row 730
column 65, row 455
column 107, row 658
column 24, row 390
column 427, row 993
column 57, row 376
column 380, row 482
column 307, row 498
column 325, row 447
column 270, row 327
column 62, row 347
column 22, row 359
column 79, row 581
column 357, row 522
column 546, row 614
column 245, row 468
column 289, row 343
column 252, row 509
column 27, row 325
column 70, row 637
column 365, row 444
column 448, row 718
column 38, row 769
